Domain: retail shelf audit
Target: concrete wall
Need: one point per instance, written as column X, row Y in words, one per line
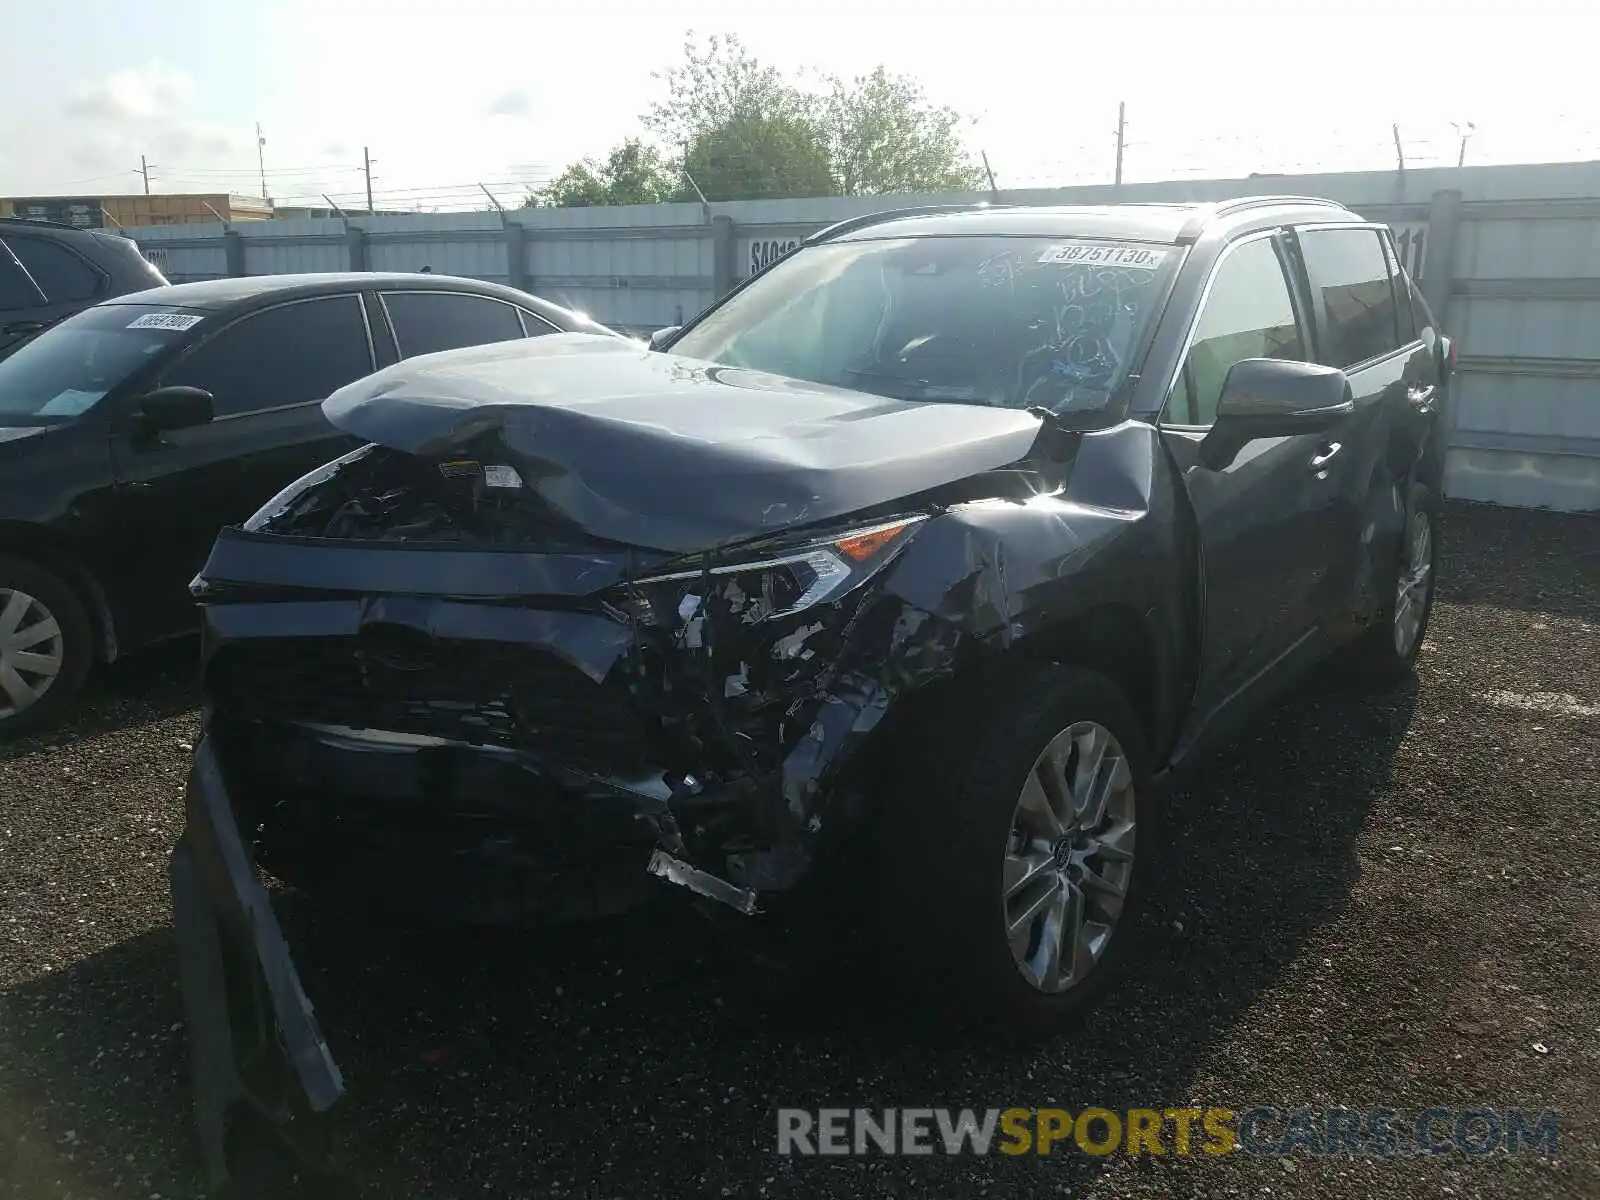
column 1510, row 256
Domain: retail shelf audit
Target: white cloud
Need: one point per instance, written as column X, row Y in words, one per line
column 133, row 93
column 516, row 103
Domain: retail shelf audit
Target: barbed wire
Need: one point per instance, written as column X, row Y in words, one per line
column 1156, row 149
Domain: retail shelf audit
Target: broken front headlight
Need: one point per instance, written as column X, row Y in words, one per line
column 768, row 583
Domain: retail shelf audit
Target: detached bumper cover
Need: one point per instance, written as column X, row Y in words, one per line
column 252, row 1032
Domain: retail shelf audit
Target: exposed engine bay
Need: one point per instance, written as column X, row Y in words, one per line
column 383, row 495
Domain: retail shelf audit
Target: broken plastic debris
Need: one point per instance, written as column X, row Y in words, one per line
column 703, row 883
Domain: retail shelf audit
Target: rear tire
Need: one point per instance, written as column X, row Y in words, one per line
column 46, row 647
column 1388, row 651
column 967, row 825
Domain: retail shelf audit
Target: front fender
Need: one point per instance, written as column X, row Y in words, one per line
column 991, row 577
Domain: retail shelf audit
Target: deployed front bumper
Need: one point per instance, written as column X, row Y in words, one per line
column 255, row 1046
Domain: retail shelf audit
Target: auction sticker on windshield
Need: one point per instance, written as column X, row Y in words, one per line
column 1103, row 254
column 174, row 321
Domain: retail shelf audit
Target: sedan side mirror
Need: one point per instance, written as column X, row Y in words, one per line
column 175, row 407
column 1273, row 397
column 660, row 338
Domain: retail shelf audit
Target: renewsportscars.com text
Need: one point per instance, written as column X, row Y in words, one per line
column 1366, row 1132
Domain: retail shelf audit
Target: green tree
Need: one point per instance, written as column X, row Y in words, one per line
column 743, row 131
column 885, row 138
column 633, row 173
column 717, row 86
column 760, row 157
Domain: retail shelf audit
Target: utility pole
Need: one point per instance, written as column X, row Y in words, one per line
column 1464, row 130
column 144, row 170
column 366, row 165
column 1399, row 148
column 1122, row 136
column 261, row 160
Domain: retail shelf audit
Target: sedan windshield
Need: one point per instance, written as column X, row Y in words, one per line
column 1005, row 321
column 67, row 369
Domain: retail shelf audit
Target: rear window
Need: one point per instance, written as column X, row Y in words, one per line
column 69, row 368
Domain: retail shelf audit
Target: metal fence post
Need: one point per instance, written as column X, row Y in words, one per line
column 721, row 255
column 517, row 255
column 355, row 239
column 233, row 252
column 1439, row 263
column 1438, row 283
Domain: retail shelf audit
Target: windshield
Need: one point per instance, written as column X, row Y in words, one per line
column 66, row 370
column 1004, row 321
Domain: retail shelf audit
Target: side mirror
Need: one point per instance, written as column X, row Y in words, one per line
column 174, row 407
column 1272, row 397
column 660, row 338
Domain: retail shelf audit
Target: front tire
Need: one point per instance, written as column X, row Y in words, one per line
column 1015, row 855
column 45, row 647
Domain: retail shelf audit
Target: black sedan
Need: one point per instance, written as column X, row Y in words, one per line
column 133, row 431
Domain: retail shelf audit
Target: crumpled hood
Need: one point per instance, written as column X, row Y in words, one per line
column 673, row 453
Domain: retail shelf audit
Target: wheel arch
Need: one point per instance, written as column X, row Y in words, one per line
column 32, row 544
column 1114, row 640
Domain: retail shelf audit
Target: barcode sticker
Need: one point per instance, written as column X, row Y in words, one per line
column 177, row 322
column 1104, row 254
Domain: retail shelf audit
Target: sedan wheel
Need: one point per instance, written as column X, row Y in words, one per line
column 32, row 651
column 1413, row 587
column 1069, row 857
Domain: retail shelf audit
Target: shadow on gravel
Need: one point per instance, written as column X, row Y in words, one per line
column 639, row 1056
column 98, row 1052
column 1543, row 562
column 146, row 687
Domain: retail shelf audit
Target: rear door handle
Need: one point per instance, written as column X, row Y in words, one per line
column 1320, row 462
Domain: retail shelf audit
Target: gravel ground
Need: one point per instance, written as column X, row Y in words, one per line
column 1383, row 901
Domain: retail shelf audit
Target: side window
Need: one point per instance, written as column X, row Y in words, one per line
column 15, row 290
column 1348, row 270
column 1405, row 316
column 1247, row 314
column 535, row 325
column 425, row 322
column 293, row 354
column 61, row 275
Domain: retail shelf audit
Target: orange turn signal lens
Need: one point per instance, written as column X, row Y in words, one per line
column 864, row 545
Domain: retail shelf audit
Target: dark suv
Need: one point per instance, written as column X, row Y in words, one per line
column 944, row 540
column 48, row 272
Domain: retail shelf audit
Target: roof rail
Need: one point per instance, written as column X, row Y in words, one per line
column 851, row 224
column 1241, row 203
column 1195, row 225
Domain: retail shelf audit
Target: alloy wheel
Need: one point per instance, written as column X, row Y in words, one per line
column 1069, row 857
column 1411, row 590
column 31, row 651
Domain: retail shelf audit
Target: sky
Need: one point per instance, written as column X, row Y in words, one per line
column 506, row 92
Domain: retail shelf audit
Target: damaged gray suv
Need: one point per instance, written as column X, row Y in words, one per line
column 949, row 537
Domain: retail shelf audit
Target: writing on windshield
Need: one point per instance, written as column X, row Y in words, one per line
column 1010, row 322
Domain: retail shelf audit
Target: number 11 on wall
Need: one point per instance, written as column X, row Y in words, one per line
column 1409, row 244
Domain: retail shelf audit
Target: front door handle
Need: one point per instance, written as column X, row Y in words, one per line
column 1320, row 461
